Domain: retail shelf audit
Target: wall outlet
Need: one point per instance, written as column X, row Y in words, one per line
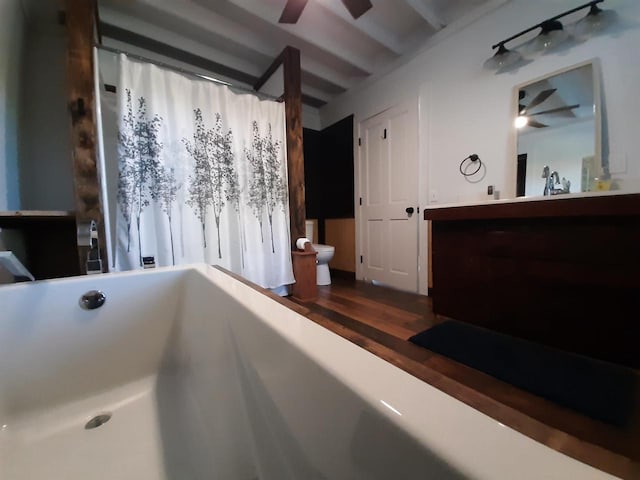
column 433, row 196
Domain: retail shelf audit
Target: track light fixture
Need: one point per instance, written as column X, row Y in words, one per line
column 552, row 34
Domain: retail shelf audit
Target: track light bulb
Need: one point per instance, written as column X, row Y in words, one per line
column 551, row 35
column 595, row 21
column 502, row 58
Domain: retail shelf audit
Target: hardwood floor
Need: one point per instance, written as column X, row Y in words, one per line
column 395, row 313
column 381, row 320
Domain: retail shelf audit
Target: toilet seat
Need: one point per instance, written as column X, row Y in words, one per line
column 321, row 248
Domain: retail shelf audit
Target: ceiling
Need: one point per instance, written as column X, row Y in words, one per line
column 238, row 39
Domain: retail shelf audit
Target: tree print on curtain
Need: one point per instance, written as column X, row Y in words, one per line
column 267, row 187
column 214, row 180
column 233, row 191
column 138, row 162
column 164, row 192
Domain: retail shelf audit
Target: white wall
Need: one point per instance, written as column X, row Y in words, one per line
column 11, row 43
column 465, row 109
column 46, row 175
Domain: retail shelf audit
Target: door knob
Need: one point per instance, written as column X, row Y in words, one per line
column 409, row 210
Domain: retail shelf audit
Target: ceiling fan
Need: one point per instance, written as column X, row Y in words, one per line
column 523, row 110
column 293, row 9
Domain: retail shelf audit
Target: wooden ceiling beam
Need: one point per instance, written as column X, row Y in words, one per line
column 298, row 34
column 365, row 26
column 315, row 93
column 203, row 18
column 329, row 75
column 199, row 17
column 179, row 35
column 428, row 12
column 150, row 44
column 215, row 68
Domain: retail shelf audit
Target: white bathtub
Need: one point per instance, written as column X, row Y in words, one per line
column 206, row 378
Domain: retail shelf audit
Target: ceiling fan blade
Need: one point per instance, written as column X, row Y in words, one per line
column 556, row 110
column 292, row 11
column 536, row 124
column 357, row 7
column 541, row 97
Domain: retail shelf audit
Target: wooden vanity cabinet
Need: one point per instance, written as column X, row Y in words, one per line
column 561, row 272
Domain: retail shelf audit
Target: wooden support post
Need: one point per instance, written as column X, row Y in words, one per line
column 295, row 154
column 80, row 19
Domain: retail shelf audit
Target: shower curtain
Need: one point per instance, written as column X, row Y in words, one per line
column 201, row 176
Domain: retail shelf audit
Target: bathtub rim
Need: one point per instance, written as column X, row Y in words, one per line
column 599, row 457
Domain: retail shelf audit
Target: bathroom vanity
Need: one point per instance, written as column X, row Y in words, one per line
column 563, row 272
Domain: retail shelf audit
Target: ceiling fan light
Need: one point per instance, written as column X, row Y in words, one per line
column 595, row 21
column 521, row 121
column 551, row 36
column 502, row 58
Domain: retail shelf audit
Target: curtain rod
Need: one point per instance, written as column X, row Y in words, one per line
column 188, row 72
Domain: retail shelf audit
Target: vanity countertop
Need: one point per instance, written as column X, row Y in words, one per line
column 576, row 204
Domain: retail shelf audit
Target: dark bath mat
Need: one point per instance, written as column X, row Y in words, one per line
column 598, row 389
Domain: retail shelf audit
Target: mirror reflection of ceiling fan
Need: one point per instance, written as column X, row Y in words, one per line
column 524, row 116
column 293, row 9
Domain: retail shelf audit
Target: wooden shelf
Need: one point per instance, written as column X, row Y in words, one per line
column 36, row 213
column 21, row 218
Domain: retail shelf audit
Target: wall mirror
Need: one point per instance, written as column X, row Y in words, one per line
column 559, row 133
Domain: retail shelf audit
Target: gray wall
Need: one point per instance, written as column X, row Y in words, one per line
column 11, row 46
column 46, row 176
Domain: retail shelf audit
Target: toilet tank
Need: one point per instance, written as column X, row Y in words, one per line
column 308, row 229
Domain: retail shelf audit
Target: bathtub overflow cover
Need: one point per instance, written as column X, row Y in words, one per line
column 92, row 299
column 97, row 421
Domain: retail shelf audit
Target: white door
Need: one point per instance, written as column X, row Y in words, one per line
column 389, row 197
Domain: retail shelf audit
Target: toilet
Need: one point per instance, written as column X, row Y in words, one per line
column 325, row 254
